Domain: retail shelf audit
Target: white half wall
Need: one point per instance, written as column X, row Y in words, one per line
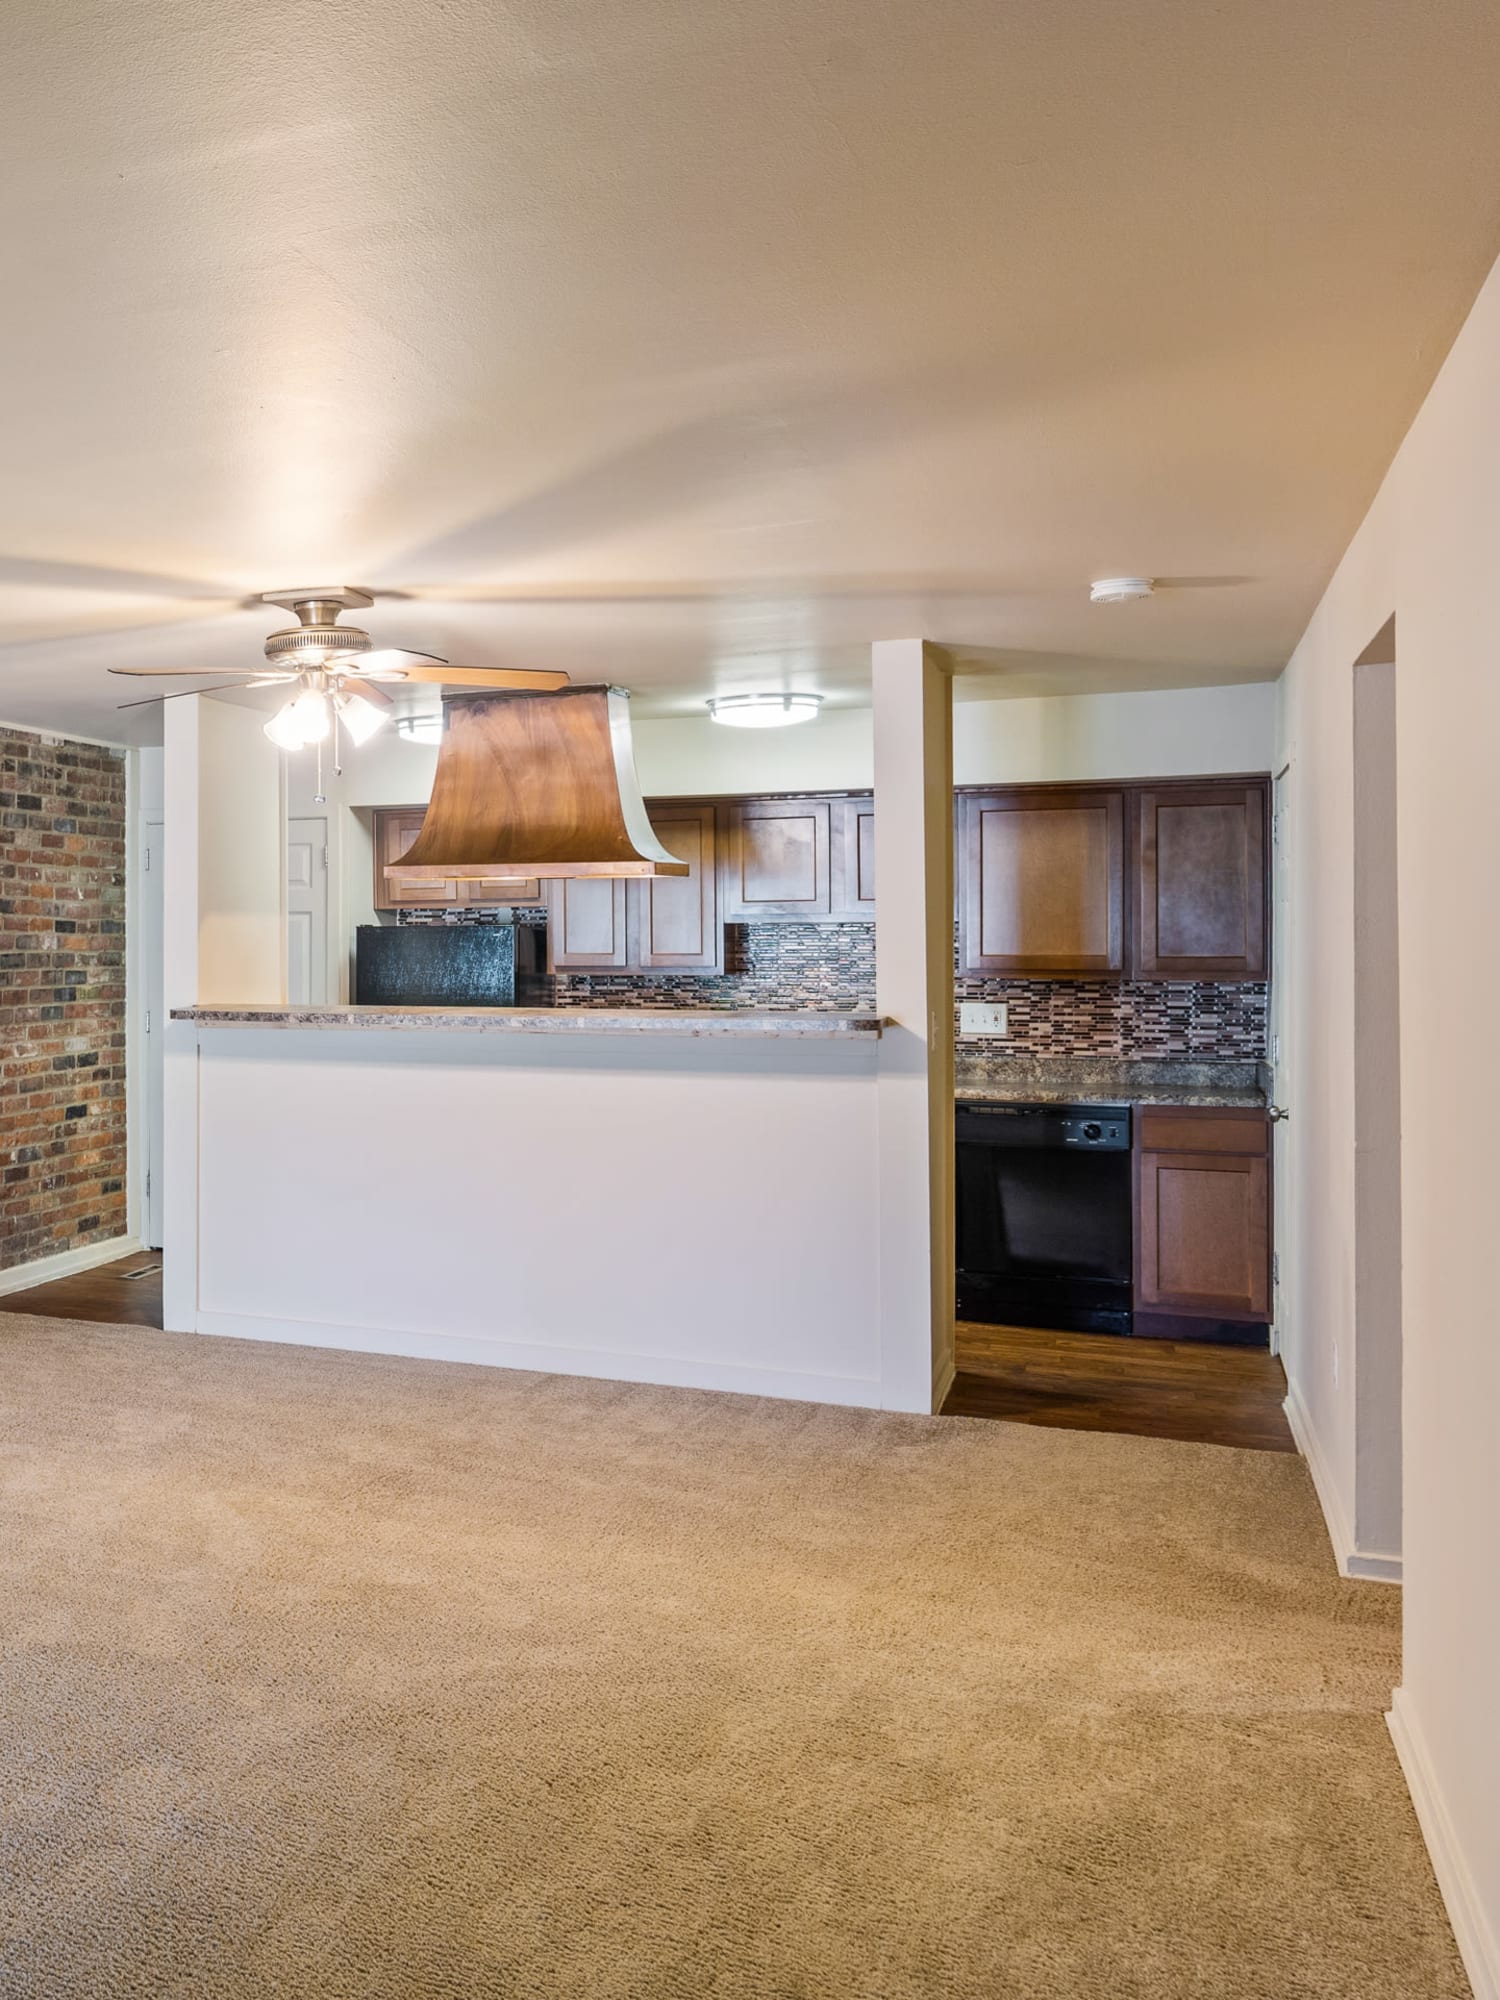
column 700, row 1213
column 1425, row 552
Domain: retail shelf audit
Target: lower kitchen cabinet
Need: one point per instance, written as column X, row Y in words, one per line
column 1203, row 1218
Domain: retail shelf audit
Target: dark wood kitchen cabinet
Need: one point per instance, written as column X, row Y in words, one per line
column 852, row 872
column 587, row 925
column 1203, row 1219
column 394, row 829
column 1041, row 875
column 1200, row 881
column 778, row 859
column 669, row 924
column 677, row 921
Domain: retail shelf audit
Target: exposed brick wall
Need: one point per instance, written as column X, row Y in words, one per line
column 62, row 996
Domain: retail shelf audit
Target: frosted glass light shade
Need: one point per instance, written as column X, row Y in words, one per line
column 304, row 720
column 358, row 718
column 764, row 711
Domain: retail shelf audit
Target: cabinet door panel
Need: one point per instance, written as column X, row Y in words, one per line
column 1201, row 883
column 586, row 925
column 1042, row 883
column 1203, row 1243
column 778, row 859
column 854, row 858
column 509, row 889
column 395, row 830
column 678, row 916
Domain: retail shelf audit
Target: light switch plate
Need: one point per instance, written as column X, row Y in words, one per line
column 982, row 1017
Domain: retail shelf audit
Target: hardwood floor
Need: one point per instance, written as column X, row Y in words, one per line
column 1075, row 1381
column 108, row 1292
column 1100, row 1382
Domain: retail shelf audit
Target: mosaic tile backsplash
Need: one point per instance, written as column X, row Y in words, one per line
column 831, row 967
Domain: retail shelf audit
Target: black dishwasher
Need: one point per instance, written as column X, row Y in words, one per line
column 1045, row 1215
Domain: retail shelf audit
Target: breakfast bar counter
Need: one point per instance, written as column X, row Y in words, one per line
column 639, row 1021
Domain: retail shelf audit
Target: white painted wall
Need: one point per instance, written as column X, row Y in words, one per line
column 224, row 930
column 226, row 889
column 695, row 1212
column 1178, row 732
column 1427, row 552
column 914, row 990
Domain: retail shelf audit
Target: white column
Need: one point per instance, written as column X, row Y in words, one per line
column 914, row 987
column 223, row 932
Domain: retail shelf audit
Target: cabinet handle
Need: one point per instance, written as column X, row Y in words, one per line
column 1277, row 1112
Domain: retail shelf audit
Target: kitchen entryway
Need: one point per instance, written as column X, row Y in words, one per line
column 1192, row 1391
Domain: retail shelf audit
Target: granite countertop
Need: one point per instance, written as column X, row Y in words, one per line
column 1107, row 1080
column 649, row 1021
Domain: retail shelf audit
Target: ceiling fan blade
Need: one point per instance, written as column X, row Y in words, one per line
column 197, row 673
column 371, row 690
column 537, row 679
column 177, row 694
column 385, row 659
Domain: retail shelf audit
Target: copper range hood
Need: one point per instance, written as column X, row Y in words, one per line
column 535, row 785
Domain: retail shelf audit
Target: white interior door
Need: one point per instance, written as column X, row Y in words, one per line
column 307, row 912
column 152, row 855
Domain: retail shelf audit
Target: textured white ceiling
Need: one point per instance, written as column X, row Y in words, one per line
column 695, row 346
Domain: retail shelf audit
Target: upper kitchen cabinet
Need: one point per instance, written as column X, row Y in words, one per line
column 1200, row 882
column 587, row 925
column 853, row 869
column 779, row 859
column 1041, row 882
column 671, row 923
column 677, row 921
column 395, row 828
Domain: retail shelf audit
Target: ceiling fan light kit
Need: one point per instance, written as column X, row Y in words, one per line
column 763, row 711
column 534, row 777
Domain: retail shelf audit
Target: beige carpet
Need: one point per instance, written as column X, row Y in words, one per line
column 329, row 1675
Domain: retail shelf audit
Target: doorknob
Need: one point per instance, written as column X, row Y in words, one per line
column 1277, row 1112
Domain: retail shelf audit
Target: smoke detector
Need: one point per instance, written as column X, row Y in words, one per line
column 1121, row 589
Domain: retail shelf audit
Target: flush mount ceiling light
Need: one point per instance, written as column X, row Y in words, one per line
column 764, row 711
column 1121, row 589
column 419, row 728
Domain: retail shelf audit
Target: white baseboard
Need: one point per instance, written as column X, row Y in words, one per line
column 21, row 1277
column 666, row 1371
column 1472, row 1930
column 1369, row 1565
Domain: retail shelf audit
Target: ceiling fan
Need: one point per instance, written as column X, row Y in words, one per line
column 340, row 678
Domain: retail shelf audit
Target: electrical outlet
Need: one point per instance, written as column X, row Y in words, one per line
column 981, row 1017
